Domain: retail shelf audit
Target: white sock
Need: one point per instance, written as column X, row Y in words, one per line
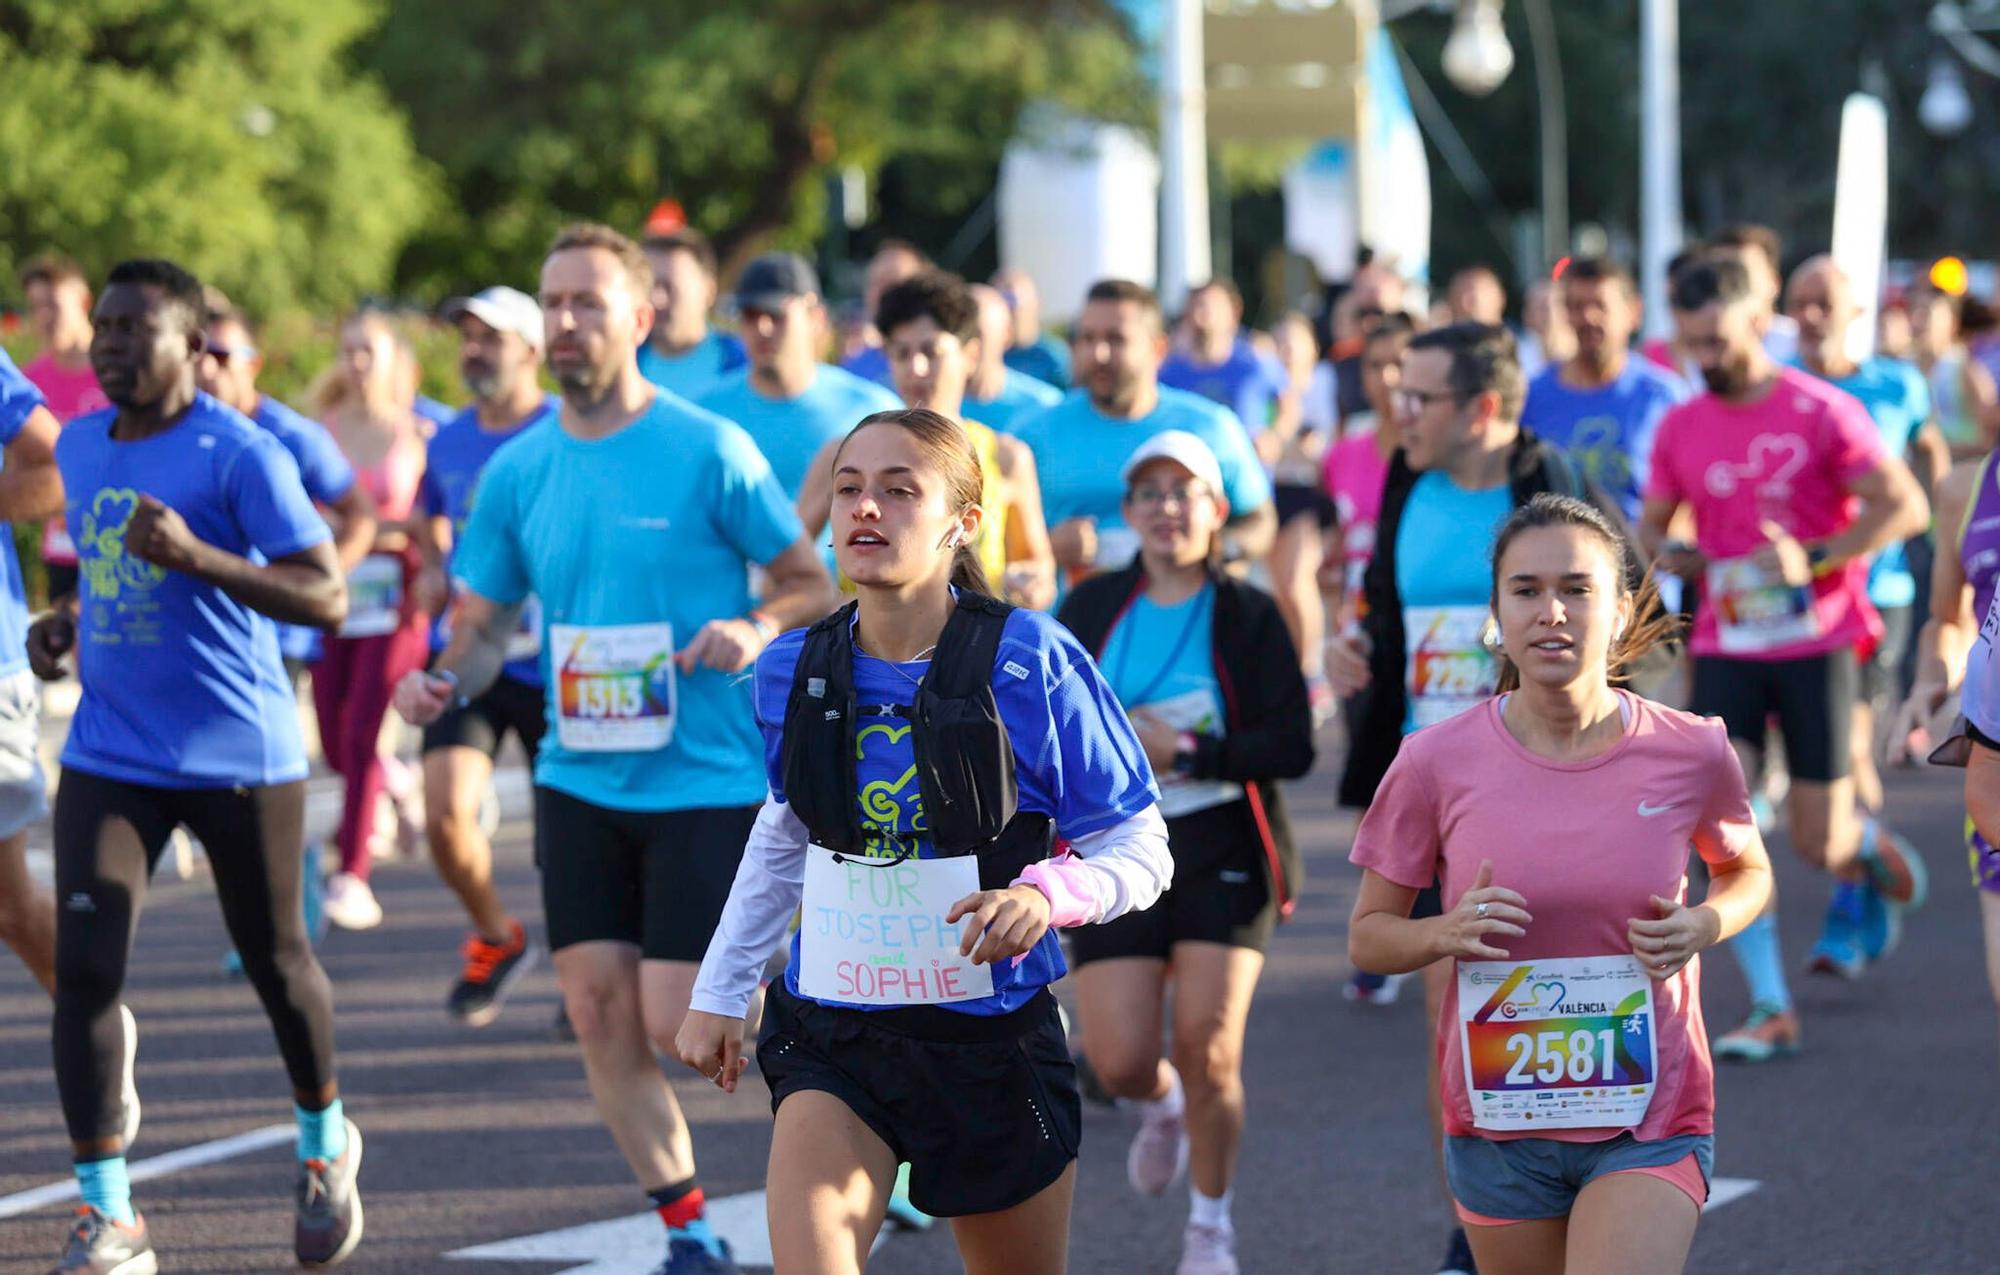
column 1204, row 1211
column 1173, row 1102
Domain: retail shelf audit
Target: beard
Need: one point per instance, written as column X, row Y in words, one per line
column 1720, row 380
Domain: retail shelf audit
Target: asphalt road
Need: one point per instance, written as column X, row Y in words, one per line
column 1873, row 1152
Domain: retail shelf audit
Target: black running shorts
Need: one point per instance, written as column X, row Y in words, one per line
column 1812, row 698
column 483, row 724
column 1221, row 893
column 984, row 1110
column 654, row 879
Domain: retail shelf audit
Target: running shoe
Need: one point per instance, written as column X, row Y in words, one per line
column 1896, row 868
column 1364, row 988
column 1881, row 925
column 128, row 1086
column 328, row 1224
column 350, row 904
column 902, row 1214
column 1207, row 1250
column 1839, row 948
column 102, row 1245
column 491, row 970
column 1159, row 1153
column 1763, row 1036
column 691, row 1257
column 1458, row 1255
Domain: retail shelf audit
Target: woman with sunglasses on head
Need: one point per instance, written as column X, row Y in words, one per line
column 1206, row 667
column 929, row 749
column 1576, row 1082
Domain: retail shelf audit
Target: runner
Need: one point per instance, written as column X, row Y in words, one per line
column 1476, row 295
column 387, row 635
column 183, row 575
column 1081, row 443
column 1206, row 668
column 500, row 355
column 1375, row 292
column 1220, row 363
column 1357, row 466
column 1546, row 338
column 954, row 1062
column 893, row 262
column 1420, row 653
column 1964, row 401
column 791, row 403
column 997, row 394
column 1761, row 253
column 931, row 324
column 634, row 518
column 683, row 353
column 1791, row 494
column 1293, row 448
column 1031, row 351
column 59, row 311
column 1559, row 818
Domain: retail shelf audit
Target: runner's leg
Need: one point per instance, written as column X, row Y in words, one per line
column 827, row 1186
column 1032, row 1238
column 1989, row 915
column 1120, row 1002
column 1295, row 562
column 600, row 986
column 1629, row 1224
column 1213, row 984
column 1521, row 1248
column 27, row 913
column 455, row 780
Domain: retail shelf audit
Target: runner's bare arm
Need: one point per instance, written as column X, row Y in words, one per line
column 1031, row 560
column 797, row 590
column 816, row 492
column 303, row 588
column 1982, row 792
column 30, row 485
column 354, row 526
column 1738, row 888
column 1253, row 533
column 476, row 654
column 432, row 587
column 1382, row 938
column 1892, row 508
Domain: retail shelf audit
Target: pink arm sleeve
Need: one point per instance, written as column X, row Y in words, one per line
column 1067, row 882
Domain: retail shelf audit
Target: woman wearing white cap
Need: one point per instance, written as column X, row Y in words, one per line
column 1207, row 670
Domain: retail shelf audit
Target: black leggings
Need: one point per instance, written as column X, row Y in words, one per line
column 109, row 835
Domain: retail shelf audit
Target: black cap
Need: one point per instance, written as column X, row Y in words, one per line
column 773, row 279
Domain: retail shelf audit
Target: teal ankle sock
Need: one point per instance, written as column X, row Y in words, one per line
column 107, row 1187
column 322, row 1134
column 1763, row 963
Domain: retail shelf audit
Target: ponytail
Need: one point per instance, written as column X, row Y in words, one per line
column 968, row 574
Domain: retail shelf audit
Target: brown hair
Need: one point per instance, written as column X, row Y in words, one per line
column 1484, row 357
column 1121, row 290
column 53, row 268
column 592, row 234
column 1651, row 624
column 688, row 240
column 331, row 393
column 947, row 448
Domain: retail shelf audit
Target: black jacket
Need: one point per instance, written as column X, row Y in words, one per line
column 1264, row 704
column 1532, row 468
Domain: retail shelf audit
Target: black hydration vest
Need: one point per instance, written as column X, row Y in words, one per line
column 964, row 760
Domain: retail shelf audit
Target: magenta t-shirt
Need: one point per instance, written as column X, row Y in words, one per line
column 1586, row 844
column 1789, row 458
column 71, row 392
column 1355, row 472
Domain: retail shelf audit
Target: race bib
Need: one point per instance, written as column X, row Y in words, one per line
column 1195, row 711
column 615, row 689
column 1116, row 547
column 374, row 597
column 872, row 931
column 1449, row 667
column 1557, row 1044
column 1755, row 610
column 526, row 642
column 57, row 546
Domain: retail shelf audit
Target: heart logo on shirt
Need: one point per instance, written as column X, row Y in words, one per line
column 1773, row 461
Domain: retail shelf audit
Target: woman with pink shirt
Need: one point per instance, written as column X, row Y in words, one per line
column 365, row 402
column 1577, row 1086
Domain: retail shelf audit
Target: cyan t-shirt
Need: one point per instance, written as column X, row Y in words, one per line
column 1019, row 396
column 1046, row 359
column 1076, row 760
column 656, row 524
column 791, row 431
column 696, row 371
column 1157, row 653
column 1247, row 383
column 1607, row 432
column 1079, row 451
column 182, row 684
column 1899, row 401
column 1444, row 549
column 452, row 464
column 18, row 400
column 327, row 477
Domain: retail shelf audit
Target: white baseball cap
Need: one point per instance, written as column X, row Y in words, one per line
column 1185, row 450
column 503, row 309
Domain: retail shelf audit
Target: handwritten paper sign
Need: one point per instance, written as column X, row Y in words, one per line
column 873, row 932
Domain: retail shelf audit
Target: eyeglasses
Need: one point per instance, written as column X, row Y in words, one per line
column 224, row 353
column 1414, row 402
column 1154, row 496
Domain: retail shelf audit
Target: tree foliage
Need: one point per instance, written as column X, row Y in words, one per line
column 231, row 137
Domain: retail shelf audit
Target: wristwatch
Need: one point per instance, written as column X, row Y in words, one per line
column 765, row 626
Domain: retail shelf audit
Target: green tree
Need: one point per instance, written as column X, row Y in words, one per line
column 231, row 137
column 551, row 110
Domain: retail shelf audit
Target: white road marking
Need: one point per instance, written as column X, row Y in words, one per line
column 1724, row 1190
column 158, row 1166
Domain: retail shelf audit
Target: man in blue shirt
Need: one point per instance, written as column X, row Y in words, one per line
column 790, row 402
column 998, row 395
column 1220, row 364
column 635, row 519
column 1081, row 443
column 1603, row 406
column 1030, row 350
column 684, row 353
column 193, row 533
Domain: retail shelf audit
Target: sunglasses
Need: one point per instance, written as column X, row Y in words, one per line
column 224, row 353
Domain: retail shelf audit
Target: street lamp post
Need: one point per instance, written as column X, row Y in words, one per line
column 1659, row 152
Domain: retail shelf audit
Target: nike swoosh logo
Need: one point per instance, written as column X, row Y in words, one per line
column 1648, row 811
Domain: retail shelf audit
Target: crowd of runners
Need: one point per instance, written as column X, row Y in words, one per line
column 865, row 700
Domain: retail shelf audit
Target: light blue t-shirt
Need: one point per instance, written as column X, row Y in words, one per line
column 1444, row 547
column 791, row 431
column 1899, row 401
column 18, row 400
column 1607, row 432
column 698, row 370
column 1156, row 653
column 327, row 477
column 1247, row 383
column 1020, row 396
column 1079, row 451
column 1076, row 760
column 656, row 524
column 1045, row 358
column 182, row 684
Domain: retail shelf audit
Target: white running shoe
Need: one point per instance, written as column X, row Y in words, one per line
column 1159, row 1153
column 1207, row 1250
column 129, row 1087
column 350, row 904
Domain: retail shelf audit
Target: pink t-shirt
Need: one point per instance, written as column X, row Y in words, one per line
column 70, row 392
column 1586, row 844
column 1355, row 471
column 1789, row 458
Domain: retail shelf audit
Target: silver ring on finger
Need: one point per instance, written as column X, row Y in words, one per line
column 1480, row 911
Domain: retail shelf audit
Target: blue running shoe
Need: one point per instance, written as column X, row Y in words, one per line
column 692, row 1257
column 1895, row 867
column 1839, row 948
column 1881, row 925
column 902, row 1214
